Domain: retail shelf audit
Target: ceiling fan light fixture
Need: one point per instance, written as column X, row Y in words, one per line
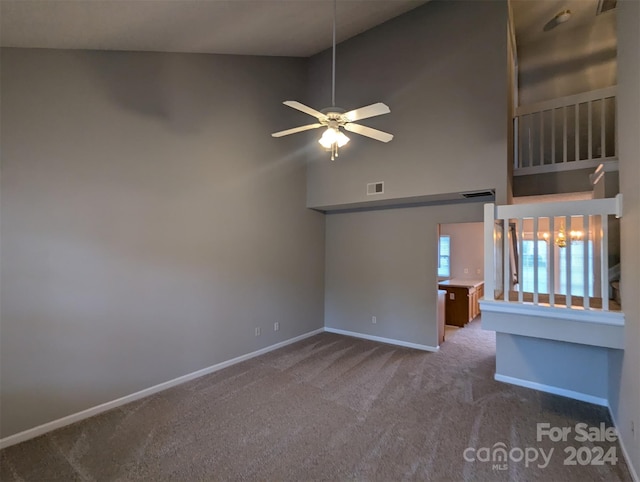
column 342, row 139
column 333, row 136
column 333, row 118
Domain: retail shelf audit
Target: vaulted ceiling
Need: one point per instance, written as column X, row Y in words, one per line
column 297, row 28
column 533, row 20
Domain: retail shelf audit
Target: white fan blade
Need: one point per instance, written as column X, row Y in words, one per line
column 303, row 108
column 369, row 132
column 366, row 112
column 296, row 129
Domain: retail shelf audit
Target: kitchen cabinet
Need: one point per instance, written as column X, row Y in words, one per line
column 461, row 300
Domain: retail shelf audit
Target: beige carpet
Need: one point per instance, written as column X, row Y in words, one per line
column 327, row 408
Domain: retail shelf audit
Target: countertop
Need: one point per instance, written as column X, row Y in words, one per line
column 462, row 283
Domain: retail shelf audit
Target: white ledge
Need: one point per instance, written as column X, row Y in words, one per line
column 587, row 327
column 615, row 318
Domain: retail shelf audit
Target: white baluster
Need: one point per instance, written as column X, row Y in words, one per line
column 535, row 260
column 604, row 263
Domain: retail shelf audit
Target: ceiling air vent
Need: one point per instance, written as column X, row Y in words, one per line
column 605, row 6
column 375, row 188
column 473, row 194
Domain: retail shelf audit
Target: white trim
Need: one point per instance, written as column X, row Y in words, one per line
column 583, row 397
column 562, row 208
column 612, row 163
column 90, row 412
column 489, row 250
column 614, row 318
column 568, row 100
column 381, row 339
column 625, row 454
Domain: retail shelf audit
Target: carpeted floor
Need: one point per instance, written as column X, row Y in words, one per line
column 328, row 408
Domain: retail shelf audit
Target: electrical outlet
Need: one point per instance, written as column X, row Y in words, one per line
column 276, row 326
column 466, row 271
column 374, row 320
column 478, row 271
column 633, row 430
column 257, row 331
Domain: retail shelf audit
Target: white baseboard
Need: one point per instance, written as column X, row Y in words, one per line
column 583, row 397
column 389, row 341
column 576, row 396
column 625, row 454
column 90, row 412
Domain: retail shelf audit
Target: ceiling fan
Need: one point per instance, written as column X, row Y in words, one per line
column 333, row 118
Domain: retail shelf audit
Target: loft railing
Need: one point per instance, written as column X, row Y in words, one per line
column 573, row 132
column 550, row 254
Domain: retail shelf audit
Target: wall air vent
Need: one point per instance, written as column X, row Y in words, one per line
column 605, row 6
column 473, row 194
column 375, row 188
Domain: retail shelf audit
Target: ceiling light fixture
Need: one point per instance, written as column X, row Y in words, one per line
column 561, row 239
column 563, row 16
column 332, row 137
column 333, row 118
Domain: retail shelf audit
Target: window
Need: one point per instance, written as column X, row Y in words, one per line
column 577, row 269
column 560, row 271
column 444, row 257
column 527, row 266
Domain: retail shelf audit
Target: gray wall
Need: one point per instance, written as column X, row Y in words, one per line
column 384, row 263
column 149, row 222
column 624, row 393
column 553, row 183
column 442, row 70
column 581, row 368
column 569, row 60
column 467, row 249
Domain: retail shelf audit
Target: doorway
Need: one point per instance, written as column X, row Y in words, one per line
column 460, row 276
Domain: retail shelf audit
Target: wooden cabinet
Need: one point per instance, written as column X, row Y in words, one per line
column 457, row 303
column 461, row 300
